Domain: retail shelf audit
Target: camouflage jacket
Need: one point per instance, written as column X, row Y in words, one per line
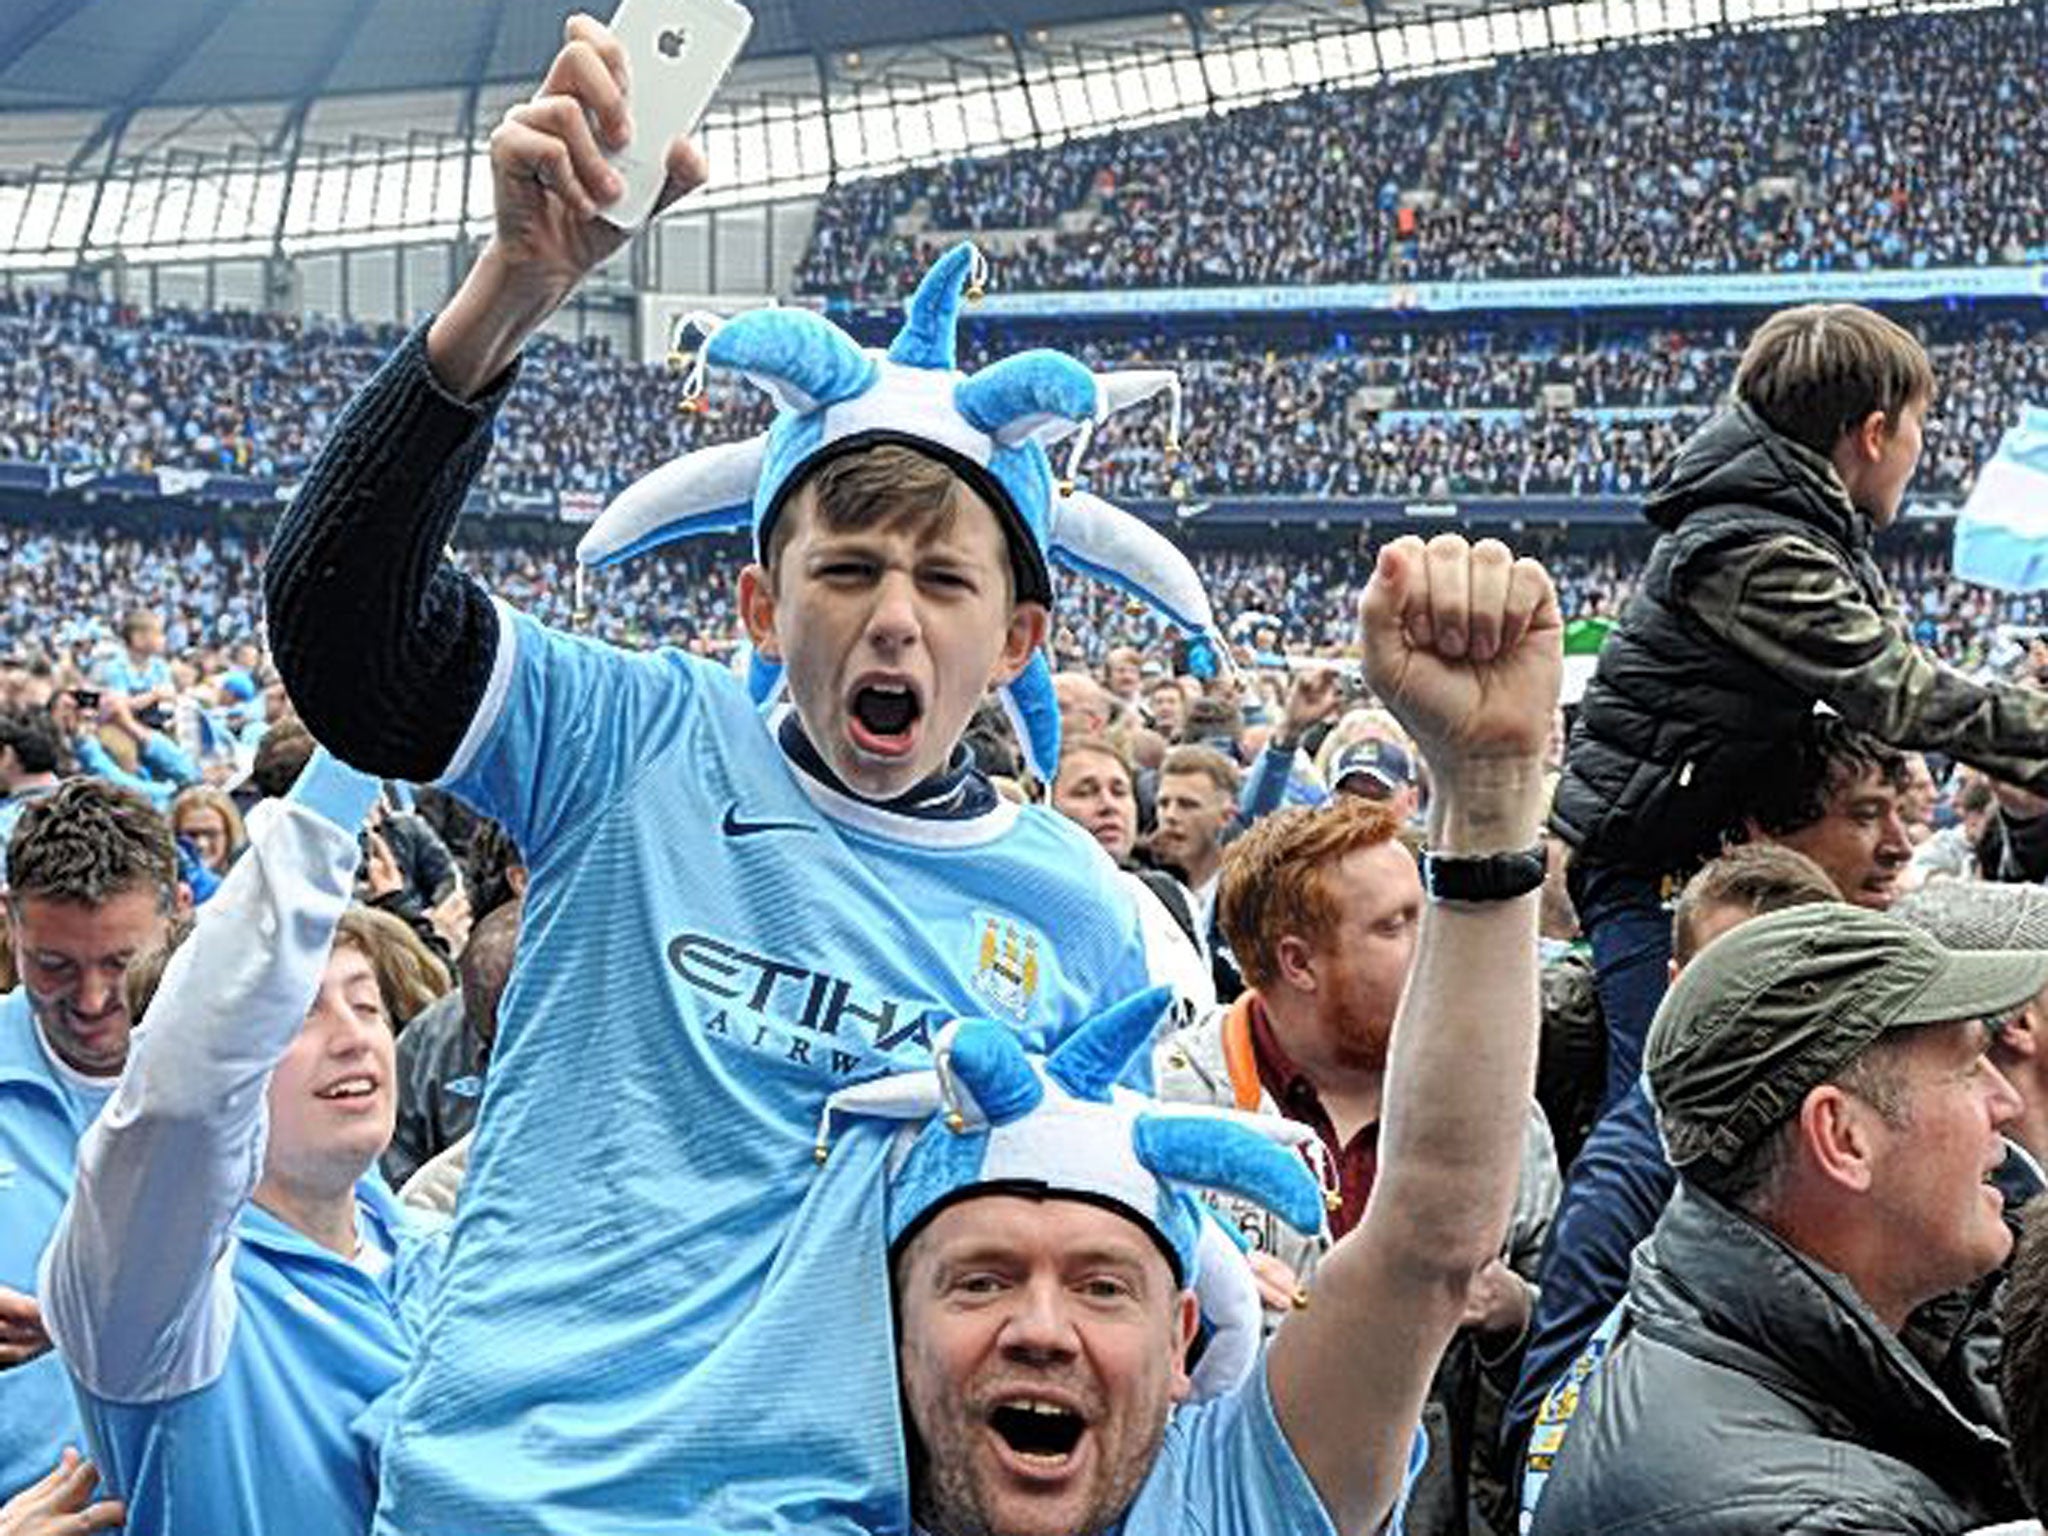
column 1760, row 600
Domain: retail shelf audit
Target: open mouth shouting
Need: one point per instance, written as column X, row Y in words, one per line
column 1039, row 1439
column 883, row 713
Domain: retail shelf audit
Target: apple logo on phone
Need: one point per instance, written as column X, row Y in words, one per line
column 672, row 42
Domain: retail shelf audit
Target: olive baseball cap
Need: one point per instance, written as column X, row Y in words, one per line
column 1774, row 1008
column 1977, row 914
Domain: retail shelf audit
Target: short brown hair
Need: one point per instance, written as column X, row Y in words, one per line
column 360, row 928
column 281, row 756
column 90, row 841
column 1212, row 765
column 1273, row 882
column 1100, row 746
column 1209, row 720
column 1758, row 878
column 485, row 965
column 1816, row 372
column 2023, row 1363
column 888, row 485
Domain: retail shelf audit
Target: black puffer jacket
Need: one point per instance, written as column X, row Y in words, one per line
column 1675, row 724
column 1750, row 1390
column 1760, row 599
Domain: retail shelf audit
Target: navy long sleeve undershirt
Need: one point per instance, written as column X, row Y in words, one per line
column 384, row 647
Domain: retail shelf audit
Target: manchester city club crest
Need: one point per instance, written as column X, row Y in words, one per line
column 1006, row 967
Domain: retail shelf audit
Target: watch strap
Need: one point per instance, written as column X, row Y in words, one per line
column 1483, row 877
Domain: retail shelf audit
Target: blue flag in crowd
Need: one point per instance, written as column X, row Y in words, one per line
column 2002, row 531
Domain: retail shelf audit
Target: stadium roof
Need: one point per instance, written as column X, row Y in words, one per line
column 182, row 128
column 110, row 55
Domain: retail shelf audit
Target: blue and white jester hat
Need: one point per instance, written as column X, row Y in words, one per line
column 994, row 1120
column 993, row 428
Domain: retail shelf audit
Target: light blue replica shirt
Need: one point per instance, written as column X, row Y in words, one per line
column 284, row 1438
column 631, row 1335
column 1226, row 1469
column 95, row 759
column 228, row 1364
column 124, row 676
column 44, row 1109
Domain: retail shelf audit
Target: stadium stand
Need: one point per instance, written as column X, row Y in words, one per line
column 1400, row 413
column 1843, row 148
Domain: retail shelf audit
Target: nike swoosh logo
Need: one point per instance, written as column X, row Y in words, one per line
column 734, row 827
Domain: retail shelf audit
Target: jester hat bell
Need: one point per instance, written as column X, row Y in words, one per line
column 994, row 428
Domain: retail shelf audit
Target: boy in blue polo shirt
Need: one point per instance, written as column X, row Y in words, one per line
column 231, row 1285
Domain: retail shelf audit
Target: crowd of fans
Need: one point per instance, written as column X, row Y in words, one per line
column 1163, row 768
column 1297, row 600
column 1301, row 600
column 1648, row 1133
column 1411, row 414
column 1849, row 146
column 96, row 383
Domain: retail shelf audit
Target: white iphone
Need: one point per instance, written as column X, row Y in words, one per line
column 678, row 52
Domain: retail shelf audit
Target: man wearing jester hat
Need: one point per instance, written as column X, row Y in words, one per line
column 741, row 900
column 1052, row 1265
column 657, row 1312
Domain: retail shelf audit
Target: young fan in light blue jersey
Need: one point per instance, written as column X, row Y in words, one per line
column 733, row 910
column 231, row 1285
column 139, row 672
column 1049, row 1246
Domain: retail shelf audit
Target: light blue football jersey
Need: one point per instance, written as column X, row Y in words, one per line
column 122, row 675
column 1225, row 1468
column 274, row 1443
column 714, row 941
column 43, row 1112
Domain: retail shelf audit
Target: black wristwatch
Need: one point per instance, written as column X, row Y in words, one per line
column 1486, row 877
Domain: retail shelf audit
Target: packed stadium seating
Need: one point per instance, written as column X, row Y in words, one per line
column 1845, row 147
column 206, row 585
column 1401, row 413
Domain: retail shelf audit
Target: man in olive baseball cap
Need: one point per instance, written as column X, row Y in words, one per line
column 1823, row 1091
column 1791, row 1001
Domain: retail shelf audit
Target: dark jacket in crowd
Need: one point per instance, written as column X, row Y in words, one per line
column 2014, row 848
column 430, row 873
column 441, row 1062
column 1750, row 1389
column 1760, row 599
column 1571, row 1052
column 1614, row 1194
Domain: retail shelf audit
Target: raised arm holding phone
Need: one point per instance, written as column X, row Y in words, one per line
column 551, row 183
column 734, row 910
